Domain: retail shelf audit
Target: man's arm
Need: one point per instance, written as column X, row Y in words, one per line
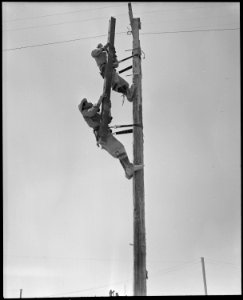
column 96, row 52
column 91, row 111
column 106, row 46
column 115, row 61
column 100, row 99
column 95, row 108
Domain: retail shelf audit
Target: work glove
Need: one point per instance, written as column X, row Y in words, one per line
column 106, row 46
column 101, row 99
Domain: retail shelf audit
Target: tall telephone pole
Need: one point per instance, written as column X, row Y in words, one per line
column 139, row 247
column 204, row 276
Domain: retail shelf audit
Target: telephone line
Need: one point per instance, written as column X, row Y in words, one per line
column 91, row 9
column 58, row 42
column 55, row 24
column 196, row 30
column 90, row 19
column 58, row 14
column 162, row 272
column 92, row 37
column 91, row 289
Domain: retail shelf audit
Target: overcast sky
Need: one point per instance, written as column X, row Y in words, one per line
column 68, row 208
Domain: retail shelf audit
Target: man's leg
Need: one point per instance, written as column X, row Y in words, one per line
column 102, row 70
column 120, row 85
column 117, row 150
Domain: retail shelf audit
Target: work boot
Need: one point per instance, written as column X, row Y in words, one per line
column 130, row 93
column 131, row 168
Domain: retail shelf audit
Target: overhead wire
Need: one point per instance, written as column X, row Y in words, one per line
column 112, row 6
column 164, row 271
column 218, row 262
column 55, row 24
column 57, row 42
column 155, row 275
column 91, row 289
column 99, row 18
column 223, row 265
column 185, row 31
column 161, row 272
column 95, row 259
column 65, row 13
column 175, row 268
column 69, row 22
column 122, row 32
column 65, row 258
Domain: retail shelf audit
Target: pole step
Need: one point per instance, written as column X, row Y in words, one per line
column 123, row 70
column 123, row 131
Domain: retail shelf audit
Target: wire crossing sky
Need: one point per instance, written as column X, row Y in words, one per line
column 67, row 206
column 144, row 33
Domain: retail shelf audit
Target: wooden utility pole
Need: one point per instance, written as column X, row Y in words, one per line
column 106, row 105
column 109, row 66
column 139, row 248
column 204, row 275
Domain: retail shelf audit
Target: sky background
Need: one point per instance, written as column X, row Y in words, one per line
column 67, row 206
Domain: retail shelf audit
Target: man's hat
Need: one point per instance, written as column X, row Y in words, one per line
column 82, row 103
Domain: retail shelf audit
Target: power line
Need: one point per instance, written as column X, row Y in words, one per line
column 196, row 30
column 175, row 268
column 91, row 289
column 164, row 271
column 65, row 13
column 58, row 14
column 223, row 265
column 92, row 19
column 122, row 32
column 58, row 42
column 66, row 258
column 66, row 22
column 157, row 261
column 222, row 262
column 54, row 24
column 113, row 6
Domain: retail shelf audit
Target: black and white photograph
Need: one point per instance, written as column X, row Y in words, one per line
column 121, row 149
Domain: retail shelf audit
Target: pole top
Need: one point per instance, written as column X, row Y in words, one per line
column 130, row 12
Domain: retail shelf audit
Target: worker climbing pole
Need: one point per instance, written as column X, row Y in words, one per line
column 106, row 60
column 104, row 137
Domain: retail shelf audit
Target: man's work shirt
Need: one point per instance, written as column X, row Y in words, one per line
column 100, row 56
column 92, row 117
